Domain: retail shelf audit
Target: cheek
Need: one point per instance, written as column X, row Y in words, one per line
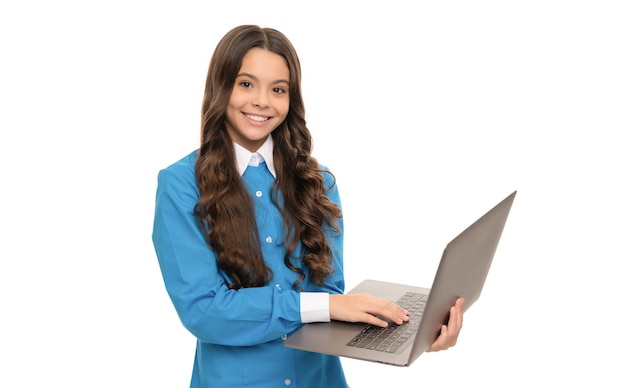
column 236, row 100
column 230, row 112
column 283, row 107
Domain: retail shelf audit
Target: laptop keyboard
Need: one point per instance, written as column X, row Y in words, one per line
column 393, row 338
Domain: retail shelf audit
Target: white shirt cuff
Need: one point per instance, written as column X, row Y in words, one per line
column 314, row 307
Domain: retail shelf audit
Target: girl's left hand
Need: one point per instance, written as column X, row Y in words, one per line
column 450, row 332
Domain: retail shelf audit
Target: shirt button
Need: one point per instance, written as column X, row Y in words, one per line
column 283, row 337
column 268, row 239
column 259, row 193
column 278, row 286
column 287, row 381
column 253, row 160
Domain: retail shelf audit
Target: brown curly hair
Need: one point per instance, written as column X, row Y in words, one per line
column 225, row 210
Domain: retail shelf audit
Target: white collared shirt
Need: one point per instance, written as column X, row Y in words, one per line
column 265, row 153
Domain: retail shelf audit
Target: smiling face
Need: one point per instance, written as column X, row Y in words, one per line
column 259, row 101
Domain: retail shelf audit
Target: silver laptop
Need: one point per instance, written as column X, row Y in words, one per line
column 462, row 272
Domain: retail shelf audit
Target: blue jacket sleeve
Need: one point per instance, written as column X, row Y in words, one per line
column 198, row 288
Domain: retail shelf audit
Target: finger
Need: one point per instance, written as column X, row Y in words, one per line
column 383, row 317
column 396, row 314
column 439, row 343
column 386, row 310
column 453, row 321
column 456, row 317
column 374, row 320
column 460, row 310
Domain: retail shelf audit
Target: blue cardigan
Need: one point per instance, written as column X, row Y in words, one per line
column 239, row 332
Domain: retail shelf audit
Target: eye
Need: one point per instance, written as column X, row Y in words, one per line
column 279, row 90
column 245, row 84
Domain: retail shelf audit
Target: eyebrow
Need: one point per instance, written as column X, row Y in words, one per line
column 278, row 81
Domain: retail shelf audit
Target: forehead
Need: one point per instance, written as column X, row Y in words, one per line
column 263, row 63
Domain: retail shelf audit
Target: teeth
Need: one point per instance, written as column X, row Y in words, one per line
column 257, row 118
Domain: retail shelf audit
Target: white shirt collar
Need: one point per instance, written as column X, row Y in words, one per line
column 246, row 158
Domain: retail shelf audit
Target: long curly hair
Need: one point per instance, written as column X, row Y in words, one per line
column 225, row 210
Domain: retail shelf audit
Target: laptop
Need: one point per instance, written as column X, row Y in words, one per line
column 462, row 272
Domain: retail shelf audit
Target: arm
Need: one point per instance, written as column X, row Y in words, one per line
column 197, row 287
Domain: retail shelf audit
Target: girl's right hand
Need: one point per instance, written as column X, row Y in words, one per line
column 365, row 308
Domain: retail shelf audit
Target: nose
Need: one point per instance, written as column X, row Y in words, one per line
column 261, row 100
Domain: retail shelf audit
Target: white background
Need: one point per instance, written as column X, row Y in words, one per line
column 428, row 114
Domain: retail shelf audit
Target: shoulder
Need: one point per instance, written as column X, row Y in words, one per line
column 180, row 172
column 329, row 177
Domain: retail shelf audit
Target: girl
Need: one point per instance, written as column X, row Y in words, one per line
column 248, row 228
